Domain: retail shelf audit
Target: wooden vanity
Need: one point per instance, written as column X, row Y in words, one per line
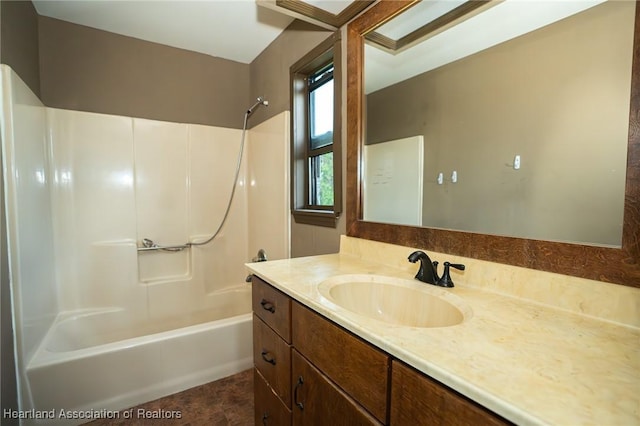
column 517, row 357
column 309, row 370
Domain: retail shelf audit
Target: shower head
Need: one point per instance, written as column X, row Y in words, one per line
column 259, row 101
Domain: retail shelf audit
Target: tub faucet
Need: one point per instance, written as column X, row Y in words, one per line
column 260, row 257
column 428, row 272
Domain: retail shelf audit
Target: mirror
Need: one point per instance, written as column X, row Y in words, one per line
column 453, row 224
column 532, row 118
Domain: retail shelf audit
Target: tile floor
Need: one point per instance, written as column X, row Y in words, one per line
column 225, row 402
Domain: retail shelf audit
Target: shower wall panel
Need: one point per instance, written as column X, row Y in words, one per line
column 162, row 190
column 210, row 155
column 269, row 218
column 117, row 180
column 213, row 160
column 28, row 212
column 93, row 209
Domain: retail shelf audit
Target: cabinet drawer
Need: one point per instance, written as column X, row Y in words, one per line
column 417, row 399
column 269, row 410
column 358, row 368
column 272, row 358
column 273, row 307
column 317, row 401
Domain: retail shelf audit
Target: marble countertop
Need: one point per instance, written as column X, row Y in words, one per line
column 530, row 363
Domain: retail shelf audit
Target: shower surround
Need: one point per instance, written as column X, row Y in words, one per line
column 81, row 192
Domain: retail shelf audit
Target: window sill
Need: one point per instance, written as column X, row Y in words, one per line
column 324, row 218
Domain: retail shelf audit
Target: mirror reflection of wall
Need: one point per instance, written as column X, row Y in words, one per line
column 393, row 181
column 558, row 97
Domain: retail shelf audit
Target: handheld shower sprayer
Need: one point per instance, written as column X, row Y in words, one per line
column 259, row 101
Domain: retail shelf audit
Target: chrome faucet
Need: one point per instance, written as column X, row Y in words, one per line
column 428, row 272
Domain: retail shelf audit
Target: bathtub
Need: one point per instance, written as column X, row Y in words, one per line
column 95, row 362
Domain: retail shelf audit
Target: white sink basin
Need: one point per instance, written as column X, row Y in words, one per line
column 395, row 301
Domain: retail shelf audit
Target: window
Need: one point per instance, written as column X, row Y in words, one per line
column 315, row 136
column 320, row 87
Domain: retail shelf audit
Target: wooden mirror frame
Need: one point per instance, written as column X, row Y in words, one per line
column 615, row 265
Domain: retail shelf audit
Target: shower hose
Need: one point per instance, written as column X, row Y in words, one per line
column 148, row 244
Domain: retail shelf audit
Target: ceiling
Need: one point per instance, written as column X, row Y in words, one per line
column 237, row 30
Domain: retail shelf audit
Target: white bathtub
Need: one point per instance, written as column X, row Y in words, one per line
column 97, row 361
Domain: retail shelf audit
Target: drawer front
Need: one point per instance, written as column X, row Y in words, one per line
column 272, row 358
column 354, row 365
column 269, row 410
column 273, row 307
column 419, row 400
column 318, row 401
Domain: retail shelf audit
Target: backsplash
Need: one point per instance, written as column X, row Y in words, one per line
column 609, row 302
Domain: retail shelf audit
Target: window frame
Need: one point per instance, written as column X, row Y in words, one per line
column 325, row 53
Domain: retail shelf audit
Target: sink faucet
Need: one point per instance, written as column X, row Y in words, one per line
column 428, row 271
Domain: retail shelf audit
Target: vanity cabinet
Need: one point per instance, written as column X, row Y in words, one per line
column 271, row 354
column 318, row 401
column 272, row 358
column 269, row 408
column 310, row 371
column 357, row 367
column 331, row 377
column 416, row 399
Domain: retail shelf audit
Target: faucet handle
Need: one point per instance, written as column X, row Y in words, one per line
column 445, row 280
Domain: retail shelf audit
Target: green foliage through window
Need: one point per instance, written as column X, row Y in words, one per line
column 321, row 174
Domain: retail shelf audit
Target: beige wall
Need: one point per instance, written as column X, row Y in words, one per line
column 85, row 69
column 270, row 77
column 19, row 41
column 270, row 69
column 525, row 97
column 19, row 50
column 8, row 386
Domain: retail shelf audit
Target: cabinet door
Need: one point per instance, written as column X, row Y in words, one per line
column 419, row 400
column 357, row 367
column 272, row 358
column 269, row 410
column 317, row 401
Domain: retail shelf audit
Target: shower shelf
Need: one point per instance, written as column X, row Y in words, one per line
column 149, row 245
